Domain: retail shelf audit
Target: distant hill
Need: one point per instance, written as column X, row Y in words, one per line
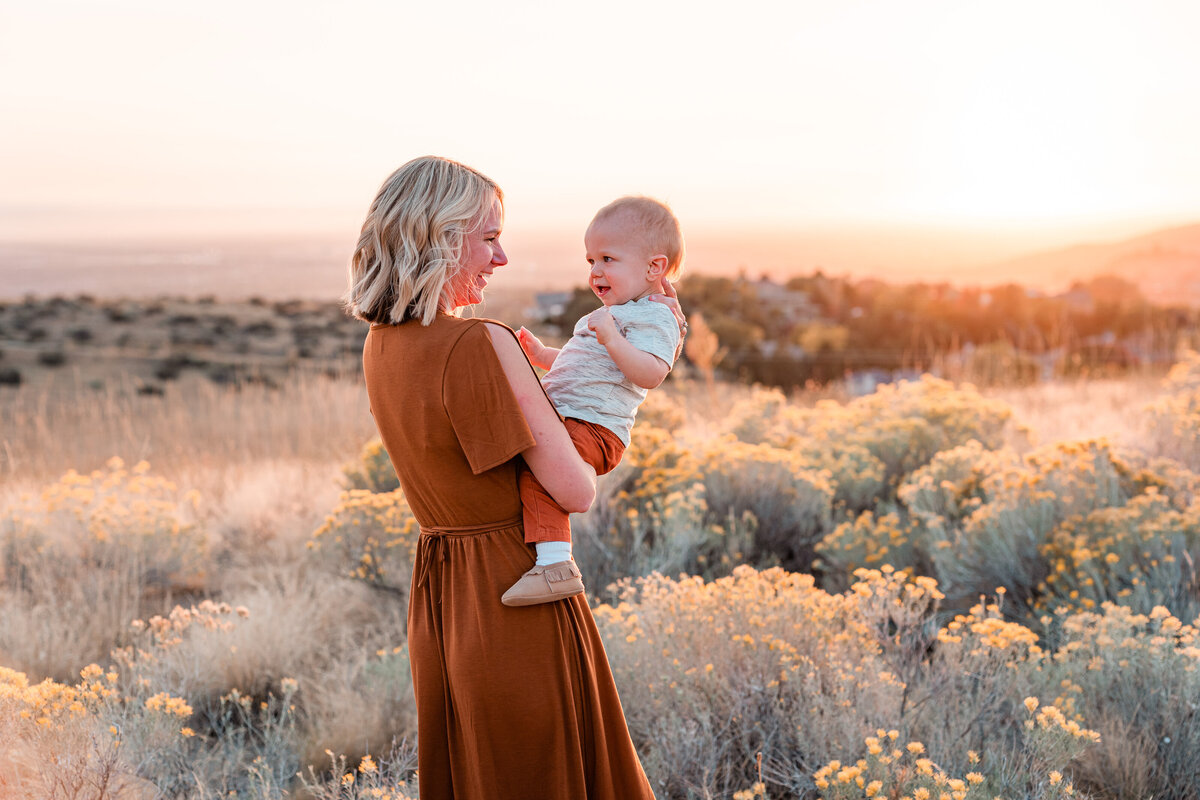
column 1165, row 264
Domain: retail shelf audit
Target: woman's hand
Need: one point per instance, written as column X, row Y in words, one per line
column 670, row 299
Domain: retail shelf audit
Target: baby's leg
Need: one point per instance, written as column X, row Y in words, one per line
column 547, row 525
column 545, row 520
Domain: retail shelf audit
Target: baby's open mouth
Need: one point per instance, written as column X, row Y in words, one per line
column 601, row 290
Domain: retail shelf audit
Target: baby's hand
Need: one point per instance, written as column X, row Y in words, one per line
column 531, row 344
column 601, row 322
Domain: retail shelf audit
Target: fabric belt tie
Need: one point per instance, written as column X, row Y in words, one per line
column 430, row 547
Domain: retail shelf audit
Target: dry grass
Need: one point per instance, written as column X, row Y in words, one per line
column 1081, row 409
column 195, row 425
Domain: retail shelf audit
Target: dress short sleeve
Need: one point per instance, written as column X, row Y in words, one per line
column 481, row 405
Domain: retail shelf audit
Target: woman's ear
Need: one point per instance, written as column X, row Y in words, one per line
column 656, row 268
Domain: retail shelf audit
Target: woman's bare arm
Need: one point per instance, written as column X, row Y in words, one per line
column 553, row 459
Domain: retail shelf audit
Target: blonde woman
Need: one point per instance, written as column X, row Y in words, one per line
column 512, row 703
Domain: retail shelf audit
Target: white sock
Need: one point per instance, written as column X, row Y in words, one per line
column 552, row 552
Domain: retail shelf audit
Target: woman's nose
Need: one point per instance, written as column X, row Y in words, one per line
column 499, row 258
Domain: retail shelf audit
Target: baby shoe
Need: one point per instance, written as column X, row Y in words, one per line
column 545, row 585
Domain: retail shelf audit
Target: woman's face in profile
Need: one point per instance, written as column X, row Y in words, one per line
column 482, row 253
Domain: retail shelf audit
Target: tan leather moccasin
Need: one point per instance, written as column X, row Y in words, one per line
column 545, row 585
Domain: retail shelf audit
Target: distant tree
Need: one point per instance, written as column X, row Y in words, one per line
column 1112, row 290
column 704, row 350
column 817, row 337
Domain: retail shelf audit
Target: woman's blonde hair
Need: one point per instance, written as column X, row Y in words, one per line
column 411, row 243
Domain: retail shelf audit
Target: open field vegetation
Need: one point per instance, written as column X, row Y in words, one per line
column 925, row 592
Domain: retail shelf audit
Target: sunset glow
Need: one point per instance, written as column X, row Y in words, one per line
column 140, row 118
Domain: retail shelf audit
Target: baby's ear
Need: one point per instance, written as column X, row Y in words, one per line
column 657, row 267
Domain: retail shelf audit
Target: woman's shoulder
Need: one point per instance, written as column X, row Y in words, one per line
column 447, row 338
column 442, row 325
column 479, row 336
column 474, row 327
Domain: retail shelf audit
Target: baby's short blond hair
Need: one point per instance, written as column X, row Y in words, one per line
column 655, row 222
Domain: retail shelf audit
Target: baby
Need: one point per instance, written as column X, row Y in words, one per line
column 603, row 373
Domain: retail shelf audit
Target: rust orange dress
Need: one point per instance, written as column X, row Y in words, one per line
column 512, row 703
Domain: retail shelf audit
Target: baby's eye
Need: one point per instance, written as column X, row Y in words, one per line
column 607, row 259
column 591, row 261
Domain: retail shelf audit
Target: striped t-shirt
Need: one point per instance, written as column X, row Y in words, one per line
column 585, row 383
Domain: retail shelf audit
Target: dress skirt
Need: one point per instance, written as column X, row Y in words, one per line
column 512, row 703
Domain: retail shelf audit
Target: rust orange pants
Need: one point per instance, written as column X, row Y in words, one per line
column 545, row 520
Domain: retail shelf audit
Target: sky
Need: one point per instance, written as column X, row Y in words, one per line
column 1061, row 118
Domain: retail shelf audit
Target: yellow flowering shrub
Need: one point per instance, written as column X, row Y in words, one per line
column 871, row 541
column 1136, row 678
column 1184, row 374
column 858, row 477
column 899, row 428
column 936, row 495
column 951, row 485
column 651, row 514
column 659, row 410
column 113, row 519
column 900, row 615
column 892, row 769
column 790, row 500
column 1174, row 418
column 369, row 536
column 1174, row 422
column 105, row 731
column 713, row 672
column 702, row 507
column 372, row 471
column 1000, row 542
column 753, row 419
column 57, row 734
column 106, row 546
column 229, row 736
column 1139, row 555
column 391, row 777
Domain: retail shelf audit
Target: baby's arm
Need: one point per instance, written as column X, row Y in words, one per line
column 538, row 354
column 642, row 368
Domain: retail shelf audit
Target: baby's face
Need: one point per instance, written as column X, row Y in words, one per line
column 620, row 261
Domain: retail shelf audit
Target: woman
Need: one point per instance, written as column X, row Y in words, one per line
column 512, row 703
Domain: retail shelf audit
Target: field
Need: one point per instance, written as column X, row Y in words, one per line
column 924, row 592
